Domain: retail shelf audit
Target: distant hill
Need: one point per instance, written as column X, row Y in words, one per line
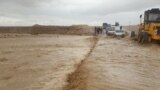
column 131, row 27
column 41, row 29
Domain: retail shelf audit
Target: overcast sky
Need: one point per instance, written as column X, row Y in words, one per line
column 68, row 12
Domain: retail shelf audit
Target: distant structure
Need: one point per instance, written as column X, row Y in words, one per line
column 116, row 23
column 36, row 25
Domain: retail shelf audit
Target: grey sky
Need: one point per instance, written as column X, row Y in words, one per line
column 68, row 12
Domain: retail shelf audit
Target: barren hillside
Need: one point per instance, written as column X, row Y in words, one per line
column 38, row 29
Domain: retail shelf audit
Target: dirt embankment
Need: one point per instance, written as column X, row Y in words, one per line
column 77, row 78
column 67, row 30
column 131, row 28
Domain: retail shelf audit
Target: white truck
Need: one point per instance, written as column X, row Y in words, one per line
column 119, row 32
column 116, row 31
column 110, row 30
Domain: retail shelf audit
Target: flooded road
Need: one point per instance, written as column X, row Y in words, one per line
column 40, row 62
column 120, row 65
column 60, row 62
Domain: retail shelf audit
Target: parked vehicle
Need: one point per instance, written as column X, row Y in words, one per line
column 119, row 33
column 111, row 31
column 149, row 29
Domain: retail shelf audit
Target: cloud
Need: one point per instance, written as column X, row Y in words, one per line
column 67, row 12
column 25, row 3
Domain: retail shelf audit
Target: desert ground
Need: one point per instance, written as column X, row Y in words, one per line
column 73, row 62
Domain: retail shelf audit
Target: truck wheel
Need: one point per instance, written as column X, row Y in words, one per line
column 145, row 37
column 158, row 42
column 140, row 37
column 123, row 36
column 133, row 34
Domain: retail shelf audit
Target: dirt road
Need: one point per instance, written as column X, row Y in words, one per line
column 119, row 65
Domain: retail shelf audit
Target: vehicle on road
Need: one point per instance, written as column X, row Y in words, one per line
column 149, row 29
column 119, row 33
column 111, row 31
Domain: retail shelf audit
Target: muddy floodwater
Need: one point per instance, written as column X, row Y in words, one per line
column 119, row 65
column 64, row 62
column 40, row 62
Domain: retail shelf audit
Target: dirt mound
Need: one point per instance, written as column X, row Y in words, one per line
column 131, row 28
column 38, row 29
